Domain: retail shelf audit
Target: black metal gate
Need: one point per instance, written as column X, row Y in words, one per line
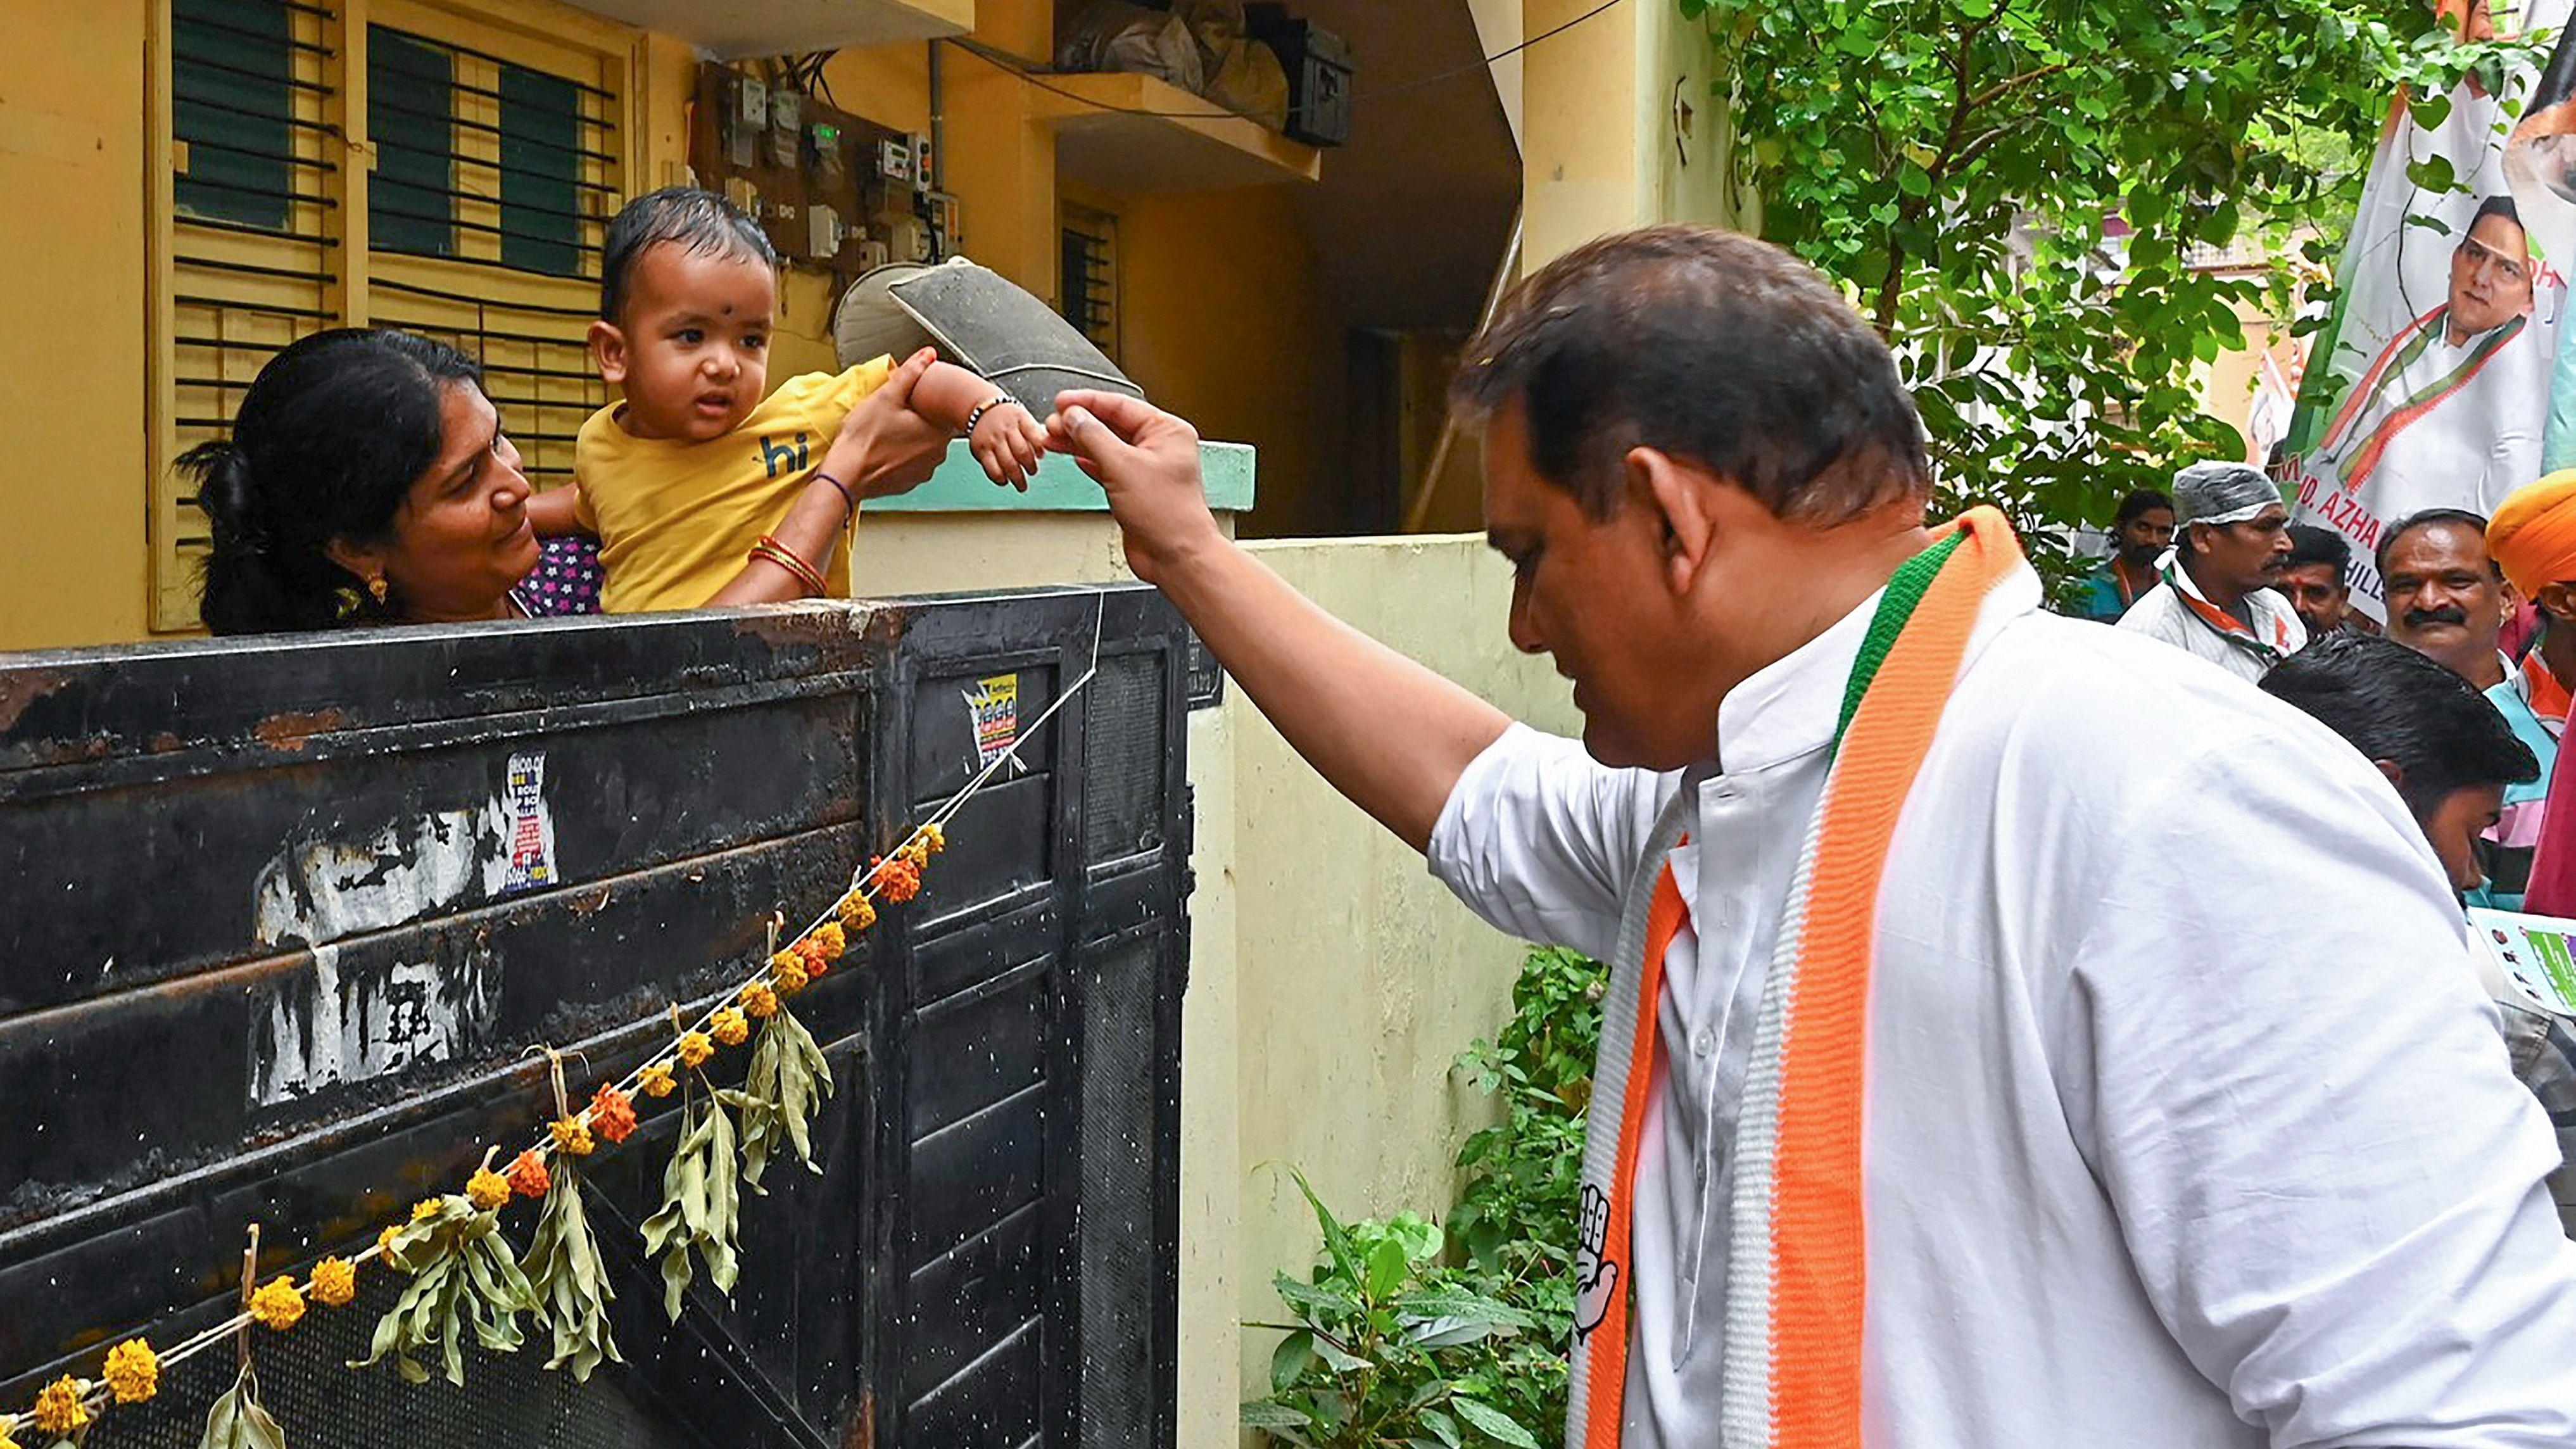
column 282, row 917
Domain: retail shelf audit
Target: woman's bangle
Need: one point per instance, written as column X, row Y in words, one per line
column 804, row 573
column 986, row 406
column 841, row 488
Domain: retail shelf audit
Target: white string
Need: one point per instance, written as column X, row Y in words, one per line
column 865, row 882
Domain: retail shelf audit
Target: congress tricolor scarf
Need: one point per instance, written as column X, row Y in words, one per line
column 1797, row 1275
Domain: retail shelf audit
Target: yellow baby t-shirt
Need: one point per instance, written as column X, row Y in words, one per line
column 677, row 520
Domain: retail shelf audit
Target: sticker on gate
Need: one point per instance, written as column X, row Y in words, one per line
column 994, row 706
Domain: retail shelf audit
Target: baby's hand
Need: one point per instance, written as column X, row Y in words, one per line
column 1008, row 442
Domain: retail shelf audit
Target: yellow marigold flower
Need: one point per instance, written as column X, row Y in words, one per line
column 59, row 1410
column 385, row 1239
column 278, row 1304
column 572, row 1137
column 695, row 1049
column 760, row 1000
column 133, row 1371
column 858, row 912
column 656, row 1080
column 335, row 1282
column 8, row 1431
column 487, row 1189
column 785, row 959
column 830, row 940
column 730, row 1027
column 789, row 979
column 425, row 1209
column 932, row 840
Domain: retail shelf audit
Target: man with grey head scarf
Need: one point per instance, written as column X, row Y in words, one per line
column 2231, row 541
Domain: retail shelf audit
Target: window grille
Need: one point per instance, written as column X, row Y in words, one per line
column 1087, row 291
column 498, row 157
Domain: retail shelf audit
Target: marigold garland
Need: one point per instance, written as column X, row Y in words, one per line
column 133, row 1371
column 335, row 1282
column 278, row 1304
column 612, row 1114
column 528, row 1176
column 59, row 1410
column 487, row 1189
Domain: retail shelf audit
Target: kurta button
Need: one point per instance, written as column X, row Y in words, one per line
column 1704, row 1043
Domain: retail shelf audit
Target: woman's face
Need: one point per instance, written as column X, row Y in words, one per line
column 461, row 540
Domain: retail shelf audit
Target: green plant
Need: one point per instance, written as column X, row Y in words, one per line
column 2023, row 196
column 1392, row 1346
column 1379, row 1349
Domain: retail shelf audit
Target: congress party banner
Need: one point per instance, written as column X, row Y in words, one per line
column 2432, row 384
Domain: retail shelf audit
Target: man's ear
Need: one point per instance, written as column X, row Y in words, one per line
column 608, row 351
column 1675, row 496
column 2389, row 768
column 2557, row 600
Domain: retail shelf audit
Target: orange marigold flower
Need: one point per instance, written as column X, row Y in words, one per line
column 857, row 912
column 612, row 1114
column 760, row 1001
column 830, row 939
column 899, row 879
column 572, row 1137
column 59, row 1410
column 278, row 1304
column 335, row 1282
column 425, row 1209
column 789, row 979
column 487, row 1189
column 528, row 1175
column 133, row 1371
column 730, row 1026
column 812, row 958
column 695, row 1048
column 656, row 1080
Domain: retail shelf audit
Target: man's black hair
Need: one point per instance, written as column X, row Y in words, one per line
column 700, row 220
column 1713, row 348
column 2394, row 704
column 2500, row 204
column 2144, row 500
column 2310, row 544
column 2475, row 523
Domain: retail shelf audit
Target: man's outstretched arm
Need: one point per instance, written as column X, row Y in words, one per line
column 1386, row 732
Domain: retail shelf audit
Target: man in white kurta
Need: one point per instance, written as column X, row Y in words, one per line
column 2215, row 599
column 2175, row 1133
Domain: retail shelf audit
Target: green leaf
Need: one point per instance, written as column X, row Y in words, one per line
column 1271, row 1415
column 1387, row 1263
column 1494, row 1423
column 1336, row 1359
column 1290, row 1361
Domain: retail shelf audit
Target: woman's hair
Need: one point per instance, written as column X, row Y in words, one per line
column 326, row 445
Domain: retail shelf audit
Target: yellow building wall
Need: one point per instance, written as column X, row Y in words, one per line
column 74, row 560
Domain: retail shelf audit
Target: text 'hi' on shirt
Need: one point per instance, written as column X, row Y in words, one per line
column 676, row 520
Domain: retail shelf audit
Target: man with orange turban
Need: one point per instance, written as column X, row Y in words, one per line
column 2533, row 539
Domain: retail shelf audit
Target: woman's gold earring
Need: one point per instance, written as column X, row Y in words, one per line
column 376, row 587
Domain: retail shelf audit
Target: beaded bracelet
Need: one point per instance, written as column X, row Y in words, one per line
column 804, row 573
column 986, row 406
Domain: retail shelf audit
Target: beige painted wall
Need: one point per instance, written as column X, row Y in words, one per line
column 1359, row 977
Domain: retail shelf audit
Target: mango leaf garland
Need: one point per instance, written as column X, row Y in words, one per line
column 237, row 1420
column 571, row 1285
column 463, row 1276
column 701, row 1205
column 785, row 1088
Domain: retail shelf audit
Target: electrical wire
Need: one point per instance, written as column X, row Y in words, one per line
column 1005, row 61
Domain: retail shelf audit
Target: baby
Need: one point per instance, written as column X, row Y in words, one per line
column 699, row 489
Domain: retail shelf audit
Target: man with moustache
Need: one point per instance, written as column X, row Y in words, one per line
column 2448, row 600
column 2217, row 599
column 2144, row 530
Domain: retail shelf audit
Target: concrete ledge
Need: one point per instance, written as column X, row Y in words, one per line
column 1060, row 487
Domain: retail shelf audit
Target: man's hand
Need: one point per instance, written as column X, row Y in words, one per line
column 884, row 447
column 1147, row 461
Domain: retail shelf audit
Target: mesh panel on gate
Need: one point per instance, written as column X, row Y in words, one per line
column 1120, row 1273
column 1122, row 759
column 321, row 1403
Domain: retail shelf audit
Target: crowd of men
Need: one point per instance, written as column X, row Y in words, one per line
column 2459, row 696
